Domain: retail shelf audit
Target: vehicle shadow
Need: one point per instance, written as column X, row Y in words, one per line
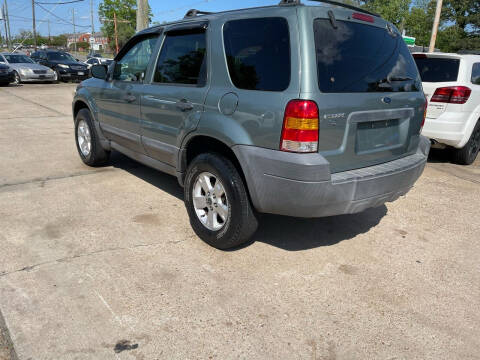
column 288, row 233
column 296, row 234
column 440, row 156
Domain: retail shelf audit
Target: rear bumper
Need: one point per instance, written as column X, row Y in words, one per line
column 450, row 128
column 302, row 186
column 36, row 77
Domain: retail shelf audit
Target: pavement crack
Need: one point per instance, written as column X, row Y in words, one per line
column 35, row 103
column 51, row 178
column 73, row 257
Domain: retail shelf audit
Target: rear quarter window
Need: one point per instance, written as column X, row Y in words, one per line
column 258, row 53
column 476, row 74
column 438, row 69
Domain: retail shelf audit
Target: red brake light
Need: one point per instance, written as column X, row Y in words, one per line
column 451, row 95
column 363, row 17
column 419, row 56
column 300, row 127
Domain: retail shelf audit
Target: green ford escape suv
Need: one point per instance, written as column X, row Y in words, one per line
column 296, row 110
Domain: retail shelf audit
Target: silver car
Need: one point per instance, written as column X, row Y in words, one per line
column 25, row 69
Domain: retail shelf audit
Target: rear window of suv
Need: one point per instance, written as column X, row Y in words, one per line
column 355, row 57
column 258, row 53
column 437, row 69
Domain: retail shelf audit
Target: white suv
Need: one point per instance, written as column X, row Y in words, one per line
column 451, row 83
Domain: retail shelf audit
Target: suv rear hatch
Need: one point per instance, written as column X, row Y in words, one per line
column 436, row 71
column 366, row 86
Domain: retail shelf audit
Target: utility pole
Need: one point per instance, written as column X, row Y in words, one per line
column 91, row 17
column 49, row 37
column 142, row 14
column 33, row 26
column 74, row 32
column 116, row 33
column 436, row 22
column 7, row 24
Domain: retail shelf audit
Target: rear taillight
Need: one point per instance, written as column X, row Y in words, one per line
column 300, row 127
column 452, row 95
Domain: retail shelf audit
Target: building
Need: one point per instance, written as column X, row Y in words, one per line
column 97, row 42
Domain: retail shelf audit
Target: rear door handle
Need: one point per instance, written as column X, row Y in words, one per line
column 129, row 98
column 184, row 105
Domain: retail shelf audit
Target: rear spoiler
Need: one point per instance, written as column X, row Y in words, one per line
column 330, row 2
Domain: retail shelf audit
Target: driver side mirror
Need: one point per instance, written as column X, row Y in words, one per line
column 99, row 72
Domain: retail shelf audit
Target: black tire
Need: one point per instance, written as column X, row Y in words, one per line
column 241, row 223
column 59, row 78
column 468, row 154
column 17, row 80
column 97, row 155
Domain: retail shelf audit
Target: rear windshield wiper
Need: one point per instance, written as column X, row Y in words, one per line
column 398, row 78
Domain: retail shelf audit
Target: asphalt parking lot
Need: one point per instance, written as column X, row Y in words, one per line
column 102, row 263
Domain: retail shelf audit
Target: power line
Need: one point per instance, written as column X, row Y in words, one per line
column 65, row 21
column 59, row 3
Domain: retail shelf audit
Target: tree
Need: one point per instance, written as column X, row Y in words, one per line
column 125, row 10
column 419, row 22
column 395, row 11
column 465, row 14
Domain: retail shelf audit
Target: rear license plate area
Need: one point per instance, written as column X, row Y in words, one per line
column 377, row 135
column 41, row 76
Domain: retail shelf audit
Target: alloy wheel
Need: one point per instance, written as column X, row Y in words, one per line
column 84, row 138
column 210, row 201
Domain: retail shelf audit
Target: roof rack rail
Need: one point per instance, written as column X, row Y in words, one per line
column 194, row 12
column 331, row 2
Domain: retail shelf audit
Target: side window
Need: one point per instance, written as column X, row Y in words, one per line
column 133, row 65
column 476, row 74
column 258, row 53
column 182, row 59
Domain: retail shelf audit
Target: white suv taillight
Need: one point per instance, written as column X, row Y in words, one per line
column 451, row 94
column 300, row 127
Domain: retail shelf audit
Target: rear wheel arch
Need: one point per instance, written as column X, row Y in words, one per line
column 201, row 144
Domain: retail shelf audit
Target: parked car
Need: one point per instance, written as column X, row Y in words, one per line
column 304, row 111
column 65, row 65
column 6, row 75
column 98, row 61
column 452, row 85
column 26, row 70
column 93, row 55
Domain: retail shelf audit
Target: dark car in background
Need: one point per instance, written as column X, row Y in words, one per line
column 64, row 64
column 6, row 75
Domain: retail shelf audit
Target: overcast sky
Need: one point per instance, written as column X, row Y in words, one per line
column 20, row 12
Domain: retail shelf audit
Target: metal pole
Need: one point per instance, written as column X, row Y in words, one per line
column 436, row 22
column 116, row 33
column 74, row 32
column 49, row 37
column 34, row 27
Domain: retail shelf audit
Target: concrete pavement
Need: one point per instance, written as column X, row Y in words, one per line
column 102, row 263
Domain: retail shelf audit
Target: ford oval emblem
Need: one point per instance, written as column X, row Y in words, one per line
column 387, row 100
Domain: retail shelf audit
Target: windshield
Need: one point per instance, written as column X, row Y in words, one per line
column 437, row 69
column 355, row 57
column 19, row 59
column 57, row 56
